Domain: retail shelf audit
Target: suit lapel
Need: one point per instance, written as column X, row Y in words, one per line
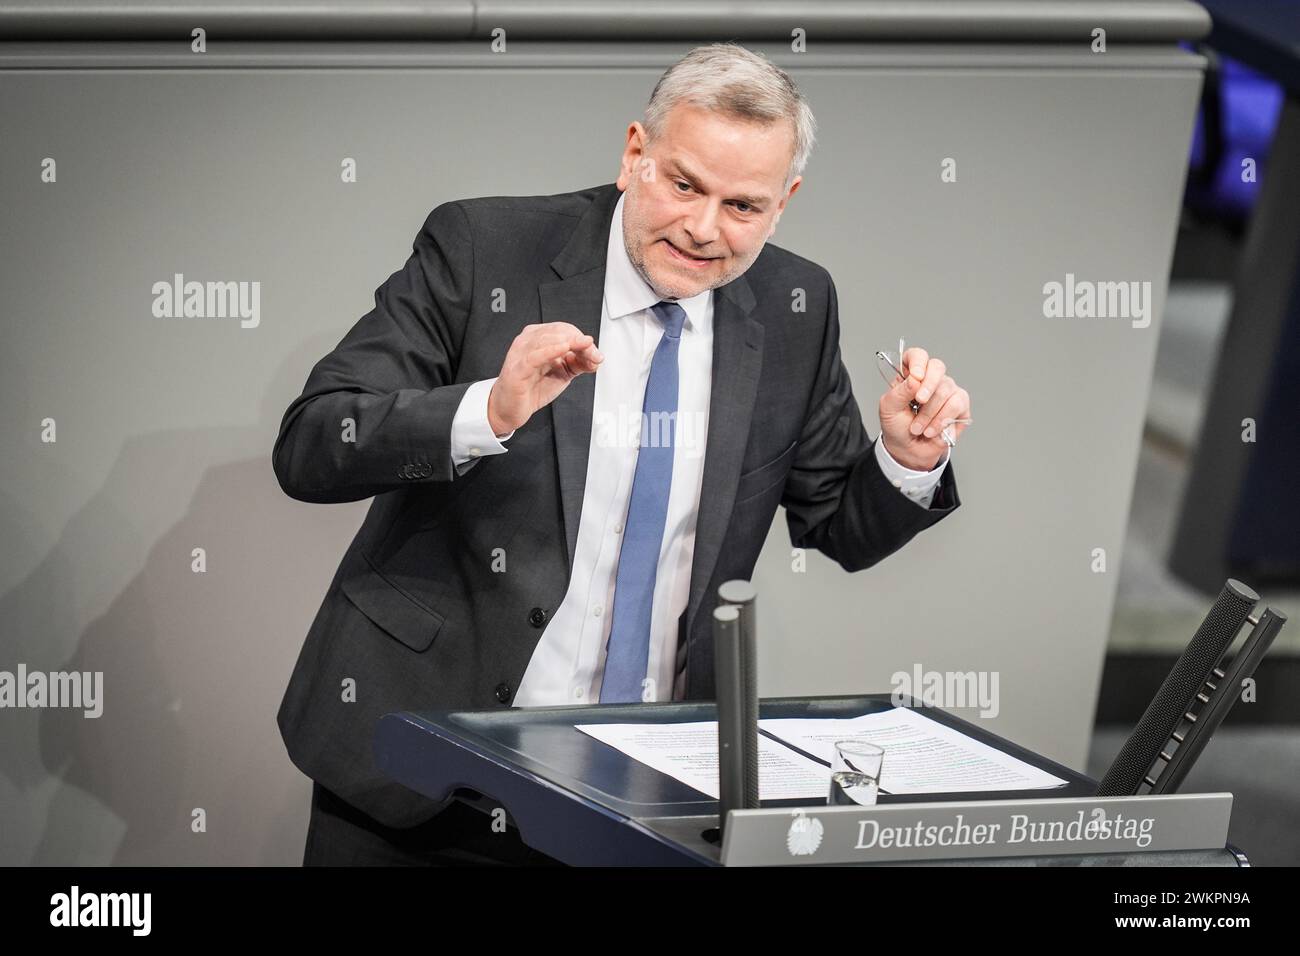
column 737, row 361
column 576, row 297
column 578, row 301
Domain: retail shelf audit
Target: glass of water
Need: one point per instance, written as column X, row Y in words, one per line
column 855, row 773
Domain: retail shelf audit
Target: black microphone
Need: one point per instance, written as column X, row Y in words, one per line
column 736, row 678
column 1176, row 694
column 1219, row 696
column 728, row 670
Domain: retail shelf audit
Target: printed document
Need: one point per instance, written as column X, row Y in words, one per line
column 922, row 755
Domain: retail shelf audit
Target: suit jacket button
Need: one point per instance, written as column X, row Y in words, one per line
column 537, row 617
column 503, row 693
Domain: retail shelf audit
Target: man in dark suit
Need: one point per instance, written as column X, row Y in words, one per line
column 524, row 546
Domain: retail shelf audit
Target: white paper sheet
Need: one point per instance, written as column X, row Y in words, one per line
column 921, row 754
column 689, row 752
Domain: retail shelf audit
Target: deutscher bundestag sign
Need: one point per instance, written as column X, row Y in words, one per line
column 977, row 828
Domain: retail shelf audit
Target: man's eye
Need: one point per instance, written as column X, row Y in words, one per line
column 748, row 207
column 680, row 183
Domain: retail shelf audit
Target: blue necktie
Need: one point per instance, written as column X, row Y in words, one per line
column 628, row 650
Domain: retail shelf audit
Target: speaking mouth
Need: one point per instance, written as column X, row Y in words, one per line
column 700, row 260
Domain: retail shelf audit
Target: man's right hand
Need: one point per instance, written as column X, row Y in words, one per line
column 543, row 359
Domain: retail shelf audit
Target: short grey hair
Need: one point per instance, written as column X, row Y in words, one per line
column 727, row 78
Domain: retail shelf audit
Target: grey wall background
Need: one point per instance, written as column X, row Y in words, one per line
column 1067, row 162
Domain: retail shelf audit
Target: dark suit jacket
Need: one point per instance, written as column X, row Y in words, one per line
column 415, row 614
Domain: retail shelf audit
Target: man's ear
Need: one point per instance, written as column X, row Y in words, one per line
column 794, row 186
column 633, row 152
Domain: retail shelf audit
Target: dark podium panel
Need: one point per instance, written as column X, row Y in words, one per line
column 1239, row 517
column 583, row 802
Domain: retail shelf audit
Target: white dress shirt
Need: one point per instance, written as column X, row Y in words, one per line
column 569, row 660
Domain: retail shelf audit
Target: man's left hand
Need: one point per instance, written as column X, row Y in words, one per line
column 914, row 440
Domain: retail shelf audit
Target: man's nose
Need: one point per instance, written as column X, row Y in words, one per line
column 702, row 224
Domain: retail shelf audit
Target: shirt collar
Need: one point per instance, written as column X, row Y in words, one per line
column 626, row 292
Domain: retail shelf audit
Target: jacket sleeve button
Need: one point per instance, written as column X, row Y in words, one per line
column 537, row 617
column 503, row 693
